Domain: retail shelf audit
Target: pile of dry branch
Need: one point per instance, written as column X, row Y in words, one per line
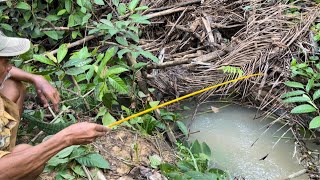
column 194, row 38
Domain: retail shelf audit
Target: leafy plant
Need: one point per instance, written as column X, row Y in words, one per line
column 193, row 164
column 306, row 92
column 68, row 162
column 232, row 70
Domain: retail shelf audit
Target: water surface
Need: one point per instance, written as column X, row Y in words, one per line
column 230, row 134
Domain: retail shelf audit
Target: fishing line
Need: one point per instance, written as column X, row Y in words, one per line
column 181, row 98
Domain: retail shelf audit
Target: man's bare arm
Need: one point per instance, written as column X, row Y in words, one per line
column 23, row 163
column 45, row 91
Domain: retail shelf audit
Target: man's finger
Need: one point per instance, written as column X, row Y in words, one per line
column 51, row 96
column 101, row 128
column 100, row 134
column 43, row 99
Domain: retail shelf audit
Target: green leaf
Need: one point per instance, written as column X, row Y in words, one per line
column 133, row 4
column 206, row 149
column 54, row 161
column 72, row 62
column 294, row 84
column 61, row 12
column 66, row 152
column 154, row 103
column 108, row 119
column 114, row 70
column 6, row 27
column 315, row 123
column 78, row 170
column 168, row 168
column 304, row 98
column 108, row 55
column 196, row 147
column 62, row 52
column 316, row 94
column 149, row 55
column 23, row 5
column 137, row 18
column 107, row 22
column 68, row 5
column 93, row 160
column 139, row 65
column 99, row 2
column 118, row 84
column 122, row 41
column 304, row 108
column 52, row 34
column 195, row 175
column 122, row 8
column 309, row 85
column 314, row 58
column 155, row 161
column 293, row 93
column 115, row 2
column 141, row 8
column 122, row 52
column 182, row 128
column 77, row 70
column 43, row 59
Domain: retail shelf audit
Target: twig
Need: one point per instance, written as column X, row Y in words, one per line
column 79, row 93
column 203, row 58
column 175, row 6
column 208, row 29
column 295, row 175
column 79, row 42
column 75, row 98
column 63, row 28
column 166, row 12
column 100, row 175
column 172, row 28
column 88, row 174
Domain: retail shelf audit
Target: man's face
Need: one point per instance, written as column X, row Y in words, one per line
column 5, row 67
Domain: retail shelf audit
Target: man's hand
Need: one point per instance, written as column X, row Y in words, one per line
column 46, row 92
column 83, row 133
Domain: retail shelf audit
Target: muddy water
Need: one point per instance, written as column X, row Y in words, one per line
column 230, row 134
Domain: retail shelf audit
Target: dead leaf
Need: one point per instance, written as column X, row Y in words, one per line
column 214, row 109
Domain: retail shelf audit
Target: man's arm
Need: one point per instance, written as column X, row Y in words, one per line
column 45, row 91
column 24, row 163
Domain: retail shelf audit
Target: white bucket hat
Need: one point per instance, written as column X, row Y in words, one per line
column 11, row 46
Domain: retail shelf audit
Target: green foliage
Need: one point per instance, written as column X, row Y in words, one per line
column 305, row 93
column 193, row 164
column 316, row 30
column 69, row 160
column 232, row 70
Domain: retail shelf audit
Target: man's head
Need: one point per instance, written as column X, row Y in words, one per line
column 9, row 47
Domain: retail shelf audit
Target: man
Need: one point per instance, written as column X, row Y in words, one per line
column 25, row 161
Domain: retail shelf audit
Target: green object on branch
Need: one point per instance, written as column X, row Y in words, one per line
column 46, row 127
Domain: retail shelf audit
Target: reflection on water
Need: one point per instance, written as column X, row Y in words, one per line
column 230, row 134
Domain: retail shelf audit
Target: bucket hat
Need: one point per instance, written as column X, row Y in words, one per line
column 12, row 46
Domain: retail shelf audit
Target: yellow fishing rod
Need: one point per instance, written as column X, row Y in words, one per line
column 181, row 98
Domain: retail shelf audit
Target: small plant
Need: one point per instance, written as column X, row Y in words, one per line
column 232, row 70
column 68, row 162
column 193, row 164
column 316, row 29
column 306, row 92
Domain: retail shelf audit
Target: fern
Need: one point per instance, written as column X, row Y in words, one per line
column 231, row 70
